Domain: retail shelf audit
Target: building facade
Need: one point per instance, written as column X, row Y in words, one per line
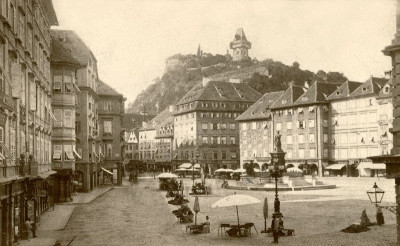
column 359, row 121
column 256, row 131
column 147, row 144
column 25, row 114
column 204, row 123
column 164, row 139
column 111, row 109
column 70, row 48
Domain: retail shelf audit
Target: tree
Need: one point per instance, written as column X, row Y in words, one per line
column 296, row 65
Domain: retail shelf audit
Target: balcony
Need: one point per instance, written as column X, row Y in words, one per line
column 63, row 99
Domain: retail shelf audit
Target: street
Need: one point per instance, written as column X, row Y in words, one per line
column 140, row 215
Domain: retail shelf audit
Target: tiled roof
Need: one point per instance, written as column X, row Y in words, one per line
column 221, row 91
column 159, row 119
column 344, row 90
column 371, row 86
column 289, row 97
column 67, row 46
column 49, row 11
column 132, row 121
column 259, row 110
column 240, row 34
column 318, row 92
column 106, row 90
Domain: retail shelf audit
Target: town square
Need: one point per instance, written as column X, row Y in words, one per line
column 136, row 122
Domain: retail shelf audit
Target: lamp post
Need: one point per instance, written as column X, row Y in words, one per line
column 197, row 155
column 375, row 195
column 276, row 169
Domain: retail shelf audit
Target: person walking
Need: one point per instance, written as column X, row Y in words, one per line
column 28, row 226
column 33, row 229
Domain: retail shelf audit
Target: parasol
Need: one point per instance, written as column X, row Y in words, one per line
column 240, row 170
column 222, row 170
column 235, row 200
column 167, row 175
column 196, row 208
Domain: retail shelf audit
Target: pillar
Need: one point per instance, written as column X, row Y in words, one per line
column 61, row 186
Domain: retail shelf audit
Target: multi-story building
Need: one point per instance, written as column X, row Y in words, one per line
column 111, row 109
column 73, row 49
column 164, row 139
column 25, row 113
column 147, row 143
column 240, row 46
column 360, row 121
column 204, row 123
column 256, row 130
column 131, row 124
column 301, row 117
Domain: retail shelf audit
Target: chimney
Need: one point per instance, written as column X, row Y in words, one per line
column 205, row 81
column 171, row 108
column 235, row 81
column 388, row 74
column 307, row 84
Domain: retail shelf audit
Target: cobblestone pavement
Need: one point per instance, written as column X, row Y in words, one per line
column 140, row 215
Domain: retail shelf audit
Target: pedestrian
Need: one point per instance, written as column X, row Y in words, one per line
column 277, row 227
column 28, row 226
column 34, row 229
column 206, row 225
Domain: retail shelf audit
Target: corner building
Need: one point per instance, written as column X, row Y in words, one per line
column 70, row 49
column 204, row 123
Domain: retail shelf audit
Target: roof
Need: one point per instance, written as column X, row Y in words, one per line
column 372, row 86
column 344, row 90
column 158, row 120
column 383, row 94
column 318, row 92
column 132, row 121
column 220, row 91
column 68, row 47
column 105, row 90
column 289, row 97
column 49, row 11
column 259, row 109
column 239, row 35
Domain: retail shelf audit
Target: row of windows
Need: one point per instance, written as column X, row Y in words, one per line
column 218, row 140
column 218, row 126
column 300, row 111
column 218, row 115
column 356, row 119
column 215, row 105
column 355, row 137
column 353, row 153
column 301, row 124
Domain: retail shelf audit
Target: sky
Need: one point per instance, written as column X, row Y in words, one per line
column 132, row 38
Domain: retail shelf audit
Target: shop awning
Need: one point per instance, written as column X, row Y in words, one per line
column 185, row 165
column 76, row 87
column 52, row 115
column 77, row 154
column 57, row 156
column 69, row 155
column 105, row 170
column 45, row 175
column 371, row 165
column 2, row 156
column 335, row 167
column 197, row 166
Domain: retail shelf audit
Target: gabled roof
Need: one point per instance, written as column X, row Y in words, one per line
column 383, row 94
column 344, row 90
column 132, row 121
column 68, row 47
column 289, row 97
column 220, row 91
column 158, row 120
column 49, row 11
column 106, row 90
column 318, row 92
column 259, row 110
column 371, row 86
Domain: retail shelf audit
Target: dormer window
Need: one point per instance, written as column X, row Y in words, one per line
column 338, row 93
column 284, row 101
column 304, row 98
column 364, row 89
column 386, row 89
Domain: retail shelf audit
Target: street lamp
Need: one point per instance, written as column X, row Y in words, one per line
column 197, row 155
column 375, row 195
column 276, row 169
column 306, row 167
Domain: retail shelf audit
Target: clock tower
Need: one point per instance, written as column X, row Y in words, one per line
column 240, row 46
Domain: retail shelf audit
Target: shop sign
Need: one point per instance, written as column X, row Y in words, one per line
column 42, row 193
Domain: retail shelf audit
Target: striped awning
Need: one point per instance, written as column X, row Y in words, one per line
column 335, row 167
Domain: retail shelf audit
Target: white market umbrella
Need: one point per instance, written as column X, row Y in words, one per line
column 181, row 170
column 167, row 175
column 240, row 170
column 294, row 169
column 235, row 200
column 257, row 170
column 222, row 170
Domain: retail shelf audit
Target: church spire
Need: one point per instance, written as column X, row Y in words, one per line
column 199, row 51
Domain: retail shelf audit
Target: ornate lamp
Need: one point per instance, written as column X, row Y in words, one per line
column 375, row 194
